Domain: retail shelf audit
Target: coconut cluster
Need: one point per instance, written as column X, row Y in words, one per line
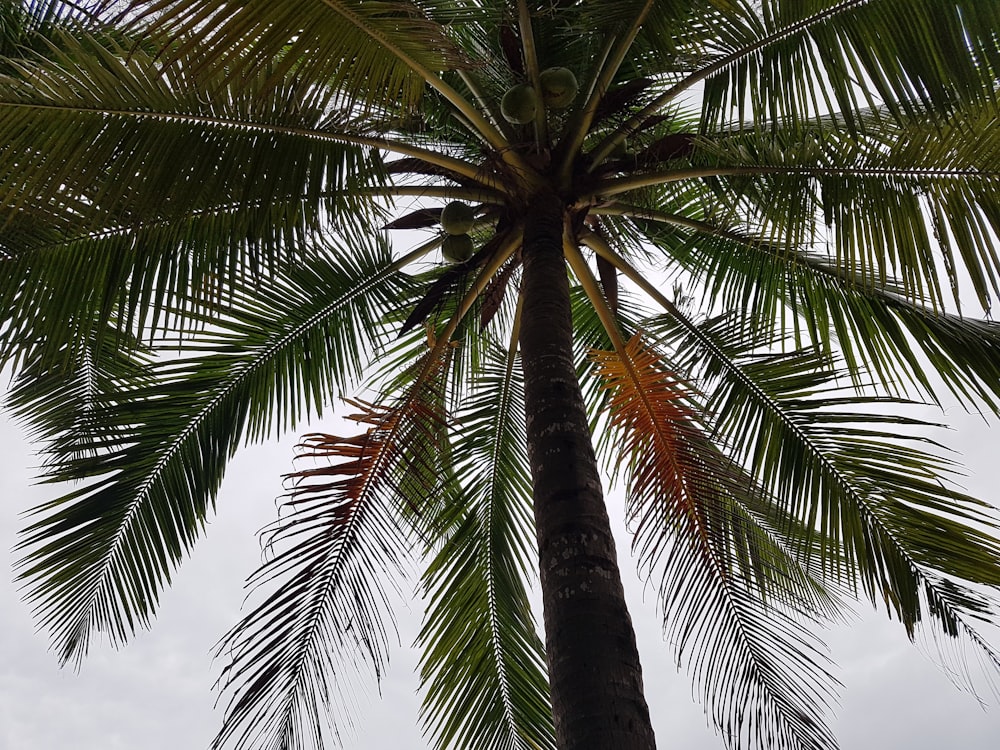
column 519, row 105
column 457, row 219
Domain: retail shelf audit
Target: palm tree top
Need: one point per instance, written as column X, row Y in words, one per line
column 777, row 222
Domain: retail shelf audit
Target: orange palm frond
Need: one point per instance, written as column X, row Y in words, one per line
column 647, row 405
column 680, row 481
column 401, row 442
column 727, row 575
column 350, row 520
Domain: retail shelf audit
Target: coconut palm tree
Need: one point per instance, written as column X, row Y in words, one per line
column 726, row 241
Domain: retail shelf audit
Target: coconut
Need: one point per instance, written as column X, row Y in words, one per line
column 457, row 248
column 457, row 218
column 519, row 104
column 559, row 87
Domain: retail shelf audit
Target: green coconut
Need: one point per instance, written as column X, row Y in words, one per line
column 519, row 105
column 559, row 87
column 457, row 248
column 457, row 218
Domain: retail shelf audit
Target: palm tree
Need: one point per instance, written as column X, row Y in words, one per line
column 728, row 239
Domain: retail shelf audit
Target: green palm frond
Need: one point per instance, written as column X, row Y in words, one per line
column 351, row 54
column 796, row 61
column 158, row 449
column 889, row 203
column 483, row 665
column 908, row 540
column 105, row 123
column 676, row 37
column 63, row 396
column 760, row 671
column 151, row 274
column 880, row 334
column 896, row 212
column 867, row 501
column 135, row 184
column 29, row 27
column 345, row 519
column 854, row 479
column 735, row 601
column 361, row 52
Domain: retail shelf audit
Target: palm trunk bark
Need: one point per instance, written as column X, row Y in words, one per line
column 594, row 670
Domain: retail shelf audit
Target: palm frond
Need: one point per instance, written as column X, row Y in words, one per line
column 895, row 202
column 99, row 115
column 796, row 61
column 357, row 51
column 860, row 486
column 128, row 184
column 879, row 333
column 146, row 276
column 483, row 666
column 851, row 530
column 354, row 54
column 61, row 396
column 28, row 27
column 735, row 602
column 344, row 530
column 99, row 556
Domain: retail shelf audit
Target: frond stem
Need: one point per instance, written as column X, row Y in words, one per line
column 472, row 171
column 531, row 64
column 615, row 186
column 484, row 128
column 618, row 48
column 487, row 106
column 501, row 256
column 579, row 265
column 480, row 195
column 496, row 629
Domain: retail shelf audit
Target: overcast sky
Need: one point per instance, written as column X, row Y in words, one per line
column 156, row 694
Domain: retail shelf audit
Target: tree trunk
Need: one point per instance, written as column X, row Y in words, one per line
column 594, row 671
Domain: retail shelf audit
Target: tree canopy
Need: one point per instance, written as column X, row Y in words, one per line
column 729, row 242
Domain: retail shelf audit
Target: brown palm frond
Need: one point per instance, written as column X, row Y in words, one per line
column 355, row 460
column 453, row 278
column 510, row 45
column 619, row 98
column 647, row 405
column 670, row 146
column 401, row 439
column 495, row 293
column 411, row 165
column 419, row 219
column 350, row 517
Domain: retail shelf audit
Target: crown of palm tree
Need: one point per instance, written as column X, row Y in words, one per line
column 205, row 205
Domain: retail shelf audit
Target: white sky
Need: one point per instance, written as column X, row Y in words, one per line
column 156, row 694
